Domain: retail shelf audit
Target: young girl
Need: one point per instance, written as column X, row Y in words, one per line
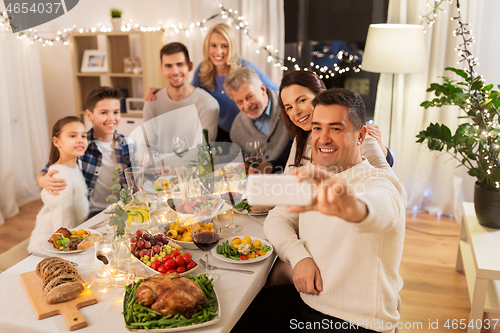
column 70, row 207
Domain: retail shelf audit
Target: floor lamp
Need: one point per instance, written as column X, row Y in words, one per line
column 395, row 49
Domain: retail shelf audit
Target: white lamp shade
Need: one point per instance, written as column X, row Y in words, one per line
column 394, row 48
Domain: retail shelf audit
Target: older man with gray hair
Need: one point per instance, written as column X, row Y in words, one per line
column 260, row 116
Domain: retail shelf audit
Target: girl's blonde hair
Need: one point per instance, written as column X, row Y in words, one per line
column 56, row 131
column 207, row 69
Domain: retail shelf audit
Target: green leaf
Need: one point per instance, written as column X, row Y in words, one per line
column 488, row 87
column 460, row 72
column 116, row 188
column 496, row 175
column 112, row 198
column 115, row 179
column 476, row 85
column 123, row 193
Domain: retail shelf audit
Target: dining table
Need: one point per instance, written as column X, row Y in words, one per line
column 235, row 290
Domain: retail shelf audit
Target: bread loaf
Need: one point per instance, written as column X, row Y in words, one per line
column 88, row 241
column 61, row 281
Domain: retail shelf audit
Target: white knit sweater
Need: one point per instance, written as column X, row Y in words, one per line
column 68, row 209
column 358, row 262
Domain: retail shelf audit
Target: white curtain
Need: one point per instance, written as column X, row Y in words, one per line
column 23, row 134
column 433, row 182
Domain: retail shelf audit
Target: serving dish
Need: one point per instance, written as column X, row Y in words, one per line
column 248, row 261
column 50, row 247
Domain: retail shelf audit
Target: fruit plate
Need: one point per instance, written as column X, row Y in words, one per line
column 250, row 260
column 49, row 247
column 200, row 326
column 152, row 272
column 149, row 187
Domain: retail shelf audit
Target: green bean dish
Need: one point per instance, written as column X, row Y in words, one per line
column 139, row 317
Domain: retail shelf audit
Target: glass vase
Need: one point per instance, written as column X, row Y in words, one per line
column 121, row 250
column 138, row 206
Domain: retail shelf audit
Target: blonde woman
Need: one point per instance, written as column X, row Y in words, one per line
column 220, row 57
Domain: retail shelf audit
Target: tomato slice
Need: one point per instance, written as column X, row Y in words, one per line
column 244, row 257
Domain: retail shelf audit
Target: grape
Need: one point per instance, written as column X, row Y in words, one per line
column 157, row 248
column 136, row 253
column 160, row 244
column 143, row 252
column 153, row 242
column 146, row 236
column 147, row 245
column 132, row 247
column 138, row 233
column 133, row 240
column 148, row 252
column 140, row 243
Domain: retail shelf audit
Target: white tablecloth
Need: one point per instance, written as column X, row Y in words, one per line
column 235, row 290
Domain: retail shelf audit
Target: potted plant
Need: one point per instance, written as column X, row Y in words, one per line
column 475, row 144
column 116, row 19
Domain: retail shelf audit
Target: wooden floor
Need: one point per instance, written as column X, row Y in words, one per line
column 433, row 291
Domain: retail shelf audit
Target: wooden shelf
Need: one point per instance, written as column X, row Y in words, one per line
column 124, row 75
column 118, row 46
column 91, row 74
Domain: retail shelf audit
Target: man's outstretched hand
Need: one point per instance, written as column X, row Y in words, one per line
column 335, row 196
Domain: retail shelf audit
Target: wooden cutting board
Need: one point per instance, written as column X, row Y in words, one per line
column 69, row 310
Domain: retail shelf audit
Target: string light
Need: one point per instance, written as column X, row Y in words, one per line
column 234, row 19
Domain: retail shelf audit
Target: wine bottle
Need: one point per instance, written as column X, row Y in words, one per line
column 205, row 156
column 206, row 163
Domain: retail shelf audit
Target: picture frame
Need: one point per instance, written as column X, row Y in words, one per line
column 94, row 61
column 134, row 105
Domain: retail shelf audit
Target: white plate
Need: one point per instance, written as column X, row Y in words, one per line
column 49, row 247
column 249, row 261
column 148, row 185
column 245, row 212
column 153, row 272
column 213, row 321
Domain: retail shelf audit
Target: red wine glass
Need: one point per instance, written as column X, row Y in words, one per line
column 205, row 238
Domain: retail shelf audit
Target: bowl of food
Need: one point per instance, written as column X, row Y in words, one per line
column 157, row 256
column 181, row 231
column 202, row 207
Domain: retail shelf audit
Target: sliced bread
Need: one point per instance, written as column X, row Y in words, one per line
column 88, row 242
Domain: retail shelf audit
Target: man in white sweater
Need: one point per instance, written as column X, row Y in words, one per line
column 345, row 249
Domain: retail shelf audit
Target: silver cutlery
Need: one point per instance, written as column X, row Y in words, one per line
column 98, row 225
column 225, row 269
column 46, row 256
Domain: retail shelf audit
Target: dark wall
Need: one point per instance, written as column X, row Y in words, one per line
column 346, row 20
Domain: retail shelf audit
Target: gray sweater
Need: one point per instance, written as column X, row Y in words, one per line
column 243, row 130
column 206, row 106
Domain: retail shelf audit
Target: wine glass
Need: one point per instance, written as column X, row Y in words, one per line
column 231, row 191
column 180, row 145
column 253, row 153
column 206, row 238
column 152, row 166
